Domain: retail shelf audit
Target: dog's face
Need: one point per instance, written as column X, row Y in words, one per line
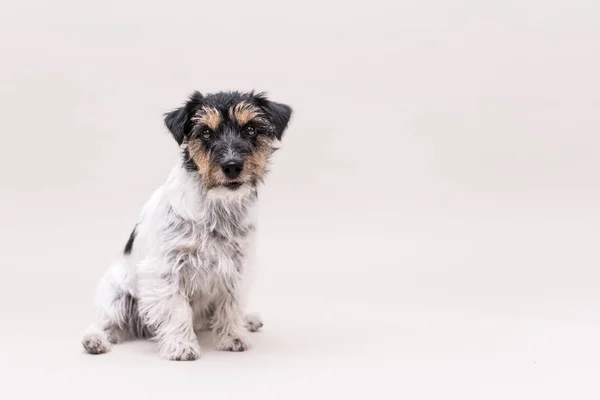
column 228, row 137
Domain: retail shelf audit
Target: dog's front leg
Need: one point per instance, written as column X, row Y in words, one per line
column 228, row 324
column 164, row 307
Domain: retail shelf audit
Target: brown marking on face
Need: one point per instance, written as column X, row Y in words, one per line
column 255, row 165
column 208, row 169
column 243, row 113
column 208, row 116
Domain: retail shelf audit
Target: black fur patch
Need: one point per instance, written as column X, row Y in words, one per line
column 129, row 244
column 188, row 163
column 134, row 322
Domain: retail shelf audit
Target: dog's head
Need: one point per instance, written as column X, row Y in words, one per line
column 228, row 137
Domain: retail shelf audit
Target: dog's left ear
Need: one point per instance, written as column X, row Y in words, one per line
column 179, row 121
column 280, row 114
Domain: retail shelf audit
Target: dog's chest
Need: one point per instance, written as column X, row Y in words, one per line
column 207, row 252
column 224, row 249
column 219, row 245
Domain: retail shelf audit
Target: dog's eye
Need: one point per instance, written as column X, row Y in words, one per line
column 207, row 133
column 250, row 131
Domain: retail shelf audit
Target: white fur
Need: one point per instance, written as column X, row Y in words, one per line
column 187, row 271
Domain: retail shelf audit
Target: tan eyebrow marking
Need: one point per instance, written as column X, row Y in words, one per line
column 209, row 116
column 243, row 112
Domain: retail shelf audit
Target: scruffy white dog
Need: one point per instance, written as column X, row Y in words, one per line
column 186, row 265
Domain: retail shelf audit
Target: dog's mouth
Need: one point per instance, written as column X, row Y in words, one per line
column 233, row 185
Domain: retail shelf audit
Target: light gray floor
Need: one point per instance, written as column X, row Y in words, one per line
column 443, row 309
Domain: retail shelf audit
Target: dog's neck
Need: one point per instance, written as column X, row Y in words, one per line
column 191, row 199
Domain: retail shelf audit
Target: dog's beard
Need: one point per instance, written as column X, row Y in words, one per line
column 220, row 182
column 233, row 185
column 248, row 179
column 234, row 192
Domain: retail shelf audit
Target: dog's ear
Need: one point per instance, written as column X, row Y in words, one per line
column 279, row 113
column 179, row 121
column 175, row 121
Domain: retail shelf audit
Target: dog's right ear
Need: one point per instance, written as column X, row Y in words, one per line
column 179, row 121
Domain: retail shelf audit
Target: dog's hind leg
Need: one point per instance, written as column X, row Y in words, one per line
column 117, row 315
column 202, row 319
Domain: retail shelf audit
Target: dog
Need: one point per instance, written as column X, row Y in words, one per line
column 187, row 264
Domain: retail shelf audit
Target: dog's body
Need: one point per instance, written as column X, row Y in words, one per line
column 189, row 259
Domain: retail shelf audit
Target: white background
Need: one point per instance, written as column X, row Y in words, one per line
column 430, row 229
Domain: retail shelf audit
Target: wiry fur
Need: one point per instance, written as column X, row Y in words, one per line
column 186, row 266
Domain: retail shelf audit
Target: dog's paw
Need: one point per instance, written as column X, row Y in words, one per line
column 95, row 343
column 182, row 351
column 253, row 322
column 233, row 344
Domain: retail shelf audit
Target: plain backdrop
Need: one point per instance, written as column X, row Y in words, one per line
column 430, row 228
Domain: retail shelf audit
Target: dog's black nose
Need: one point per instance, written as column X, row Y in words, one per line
column 232, row 169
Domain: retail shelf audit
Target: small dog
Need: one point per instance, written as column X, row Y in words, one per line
column 186, row 265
